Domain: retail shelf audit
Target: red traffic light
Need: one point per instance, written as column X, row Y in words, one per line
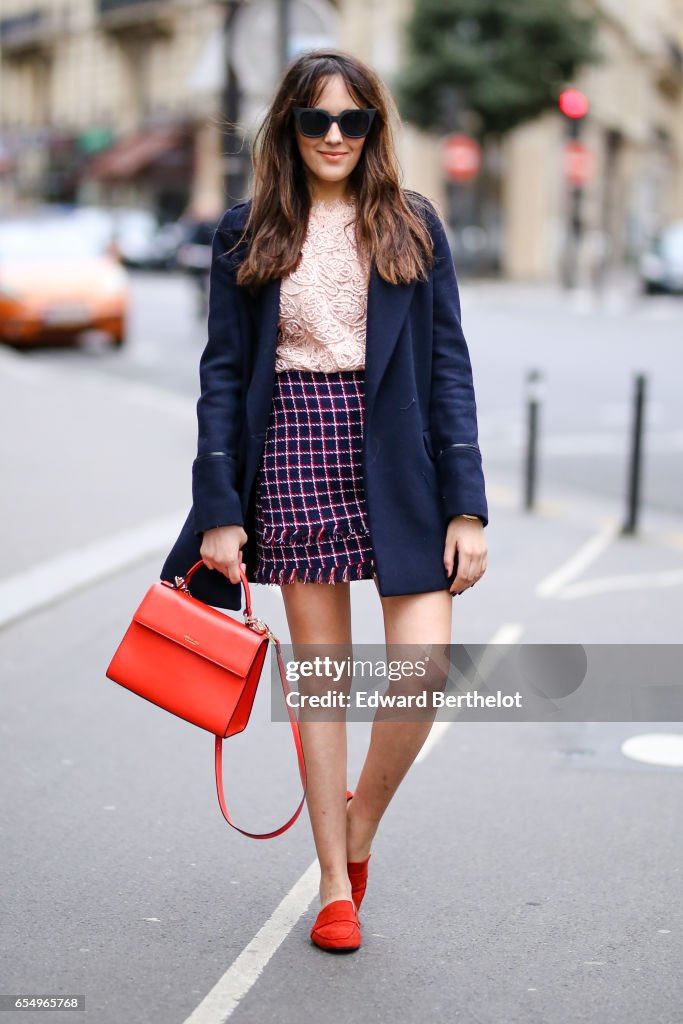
column 573, row 103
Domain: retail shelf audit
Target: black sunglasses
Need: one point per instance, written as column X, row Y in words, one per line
column 314, row 121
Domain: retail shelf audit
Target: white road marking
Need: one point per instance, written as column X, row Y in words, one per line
column 244, row 972
column 661, row 748
column 587, row 553
column 436, row 734
column 507, row 634
column 630, row 581
column 43, row 584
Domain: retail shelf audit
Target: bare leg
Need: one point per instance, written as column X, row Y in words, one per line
column 320, row 613
column 394, row 745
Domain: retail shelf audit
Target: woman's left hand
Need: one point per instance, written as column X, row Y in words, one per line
column 466, row 536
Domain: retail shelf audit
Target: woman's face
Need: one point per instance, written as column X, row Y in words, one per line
column 327, row 176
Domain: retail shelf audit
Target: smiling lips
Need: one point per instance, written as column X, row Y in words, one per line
column 332, row 156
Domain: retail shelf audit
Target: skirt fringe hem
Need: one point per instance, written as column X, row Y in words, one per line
column 323, row 574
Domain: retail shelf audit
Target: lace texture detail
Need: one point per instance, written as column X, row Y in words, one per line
column 323, row 303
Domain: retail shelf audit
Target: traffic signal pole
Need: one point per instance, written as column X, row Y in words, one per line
column 574, row 107
column 575, row 224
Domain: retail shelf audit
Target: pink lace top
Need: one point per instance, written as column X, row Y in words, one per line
column 323, row 303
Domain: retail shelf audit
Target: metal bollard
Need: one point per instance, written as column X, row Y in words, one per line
column 533, row 390
column 635, row 459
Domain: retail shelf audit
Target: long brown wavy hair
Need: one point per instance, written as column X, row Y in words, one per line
column 389, row 223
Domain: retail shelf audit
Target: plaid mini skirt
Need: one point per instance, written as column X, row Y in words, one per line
column 310, row 513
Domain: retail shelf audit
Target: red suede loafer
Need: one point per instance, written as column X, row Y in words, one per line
column 337, row 928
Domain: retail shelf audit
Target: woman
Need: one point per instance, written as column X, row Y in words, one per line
column 337, row 425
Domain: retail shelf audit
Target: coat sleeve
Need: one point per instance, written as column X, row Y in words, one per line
column 453, row 410
column 215, row 494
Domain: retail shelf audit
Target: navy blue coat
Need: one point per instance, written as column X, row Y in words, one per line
column 421, row 457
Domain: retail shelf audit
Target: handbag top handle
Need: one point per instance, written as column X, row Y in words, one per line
column 181, row 583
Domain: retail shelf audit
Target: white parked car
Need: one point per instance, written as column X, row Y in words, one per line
column 661, row 265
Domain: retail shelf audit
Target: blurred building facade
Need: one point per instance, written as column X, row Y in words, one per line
column 123, row 102
column 634, row 134
column 106, row 100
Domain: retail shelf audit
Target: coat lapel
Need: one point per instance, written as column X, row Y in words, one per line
column 259, row 398
column 387, row 308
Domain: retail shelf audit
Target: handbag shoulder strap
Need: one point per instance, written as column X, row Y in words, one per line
column 300, row 754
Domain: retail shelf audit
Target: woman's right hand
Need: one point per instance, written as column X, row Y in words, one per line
column 221, row 549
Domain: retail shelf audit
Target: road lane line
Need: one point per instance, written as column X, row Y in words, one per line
column 660, row 748
column 628, row 581
column 244, row 972
column 50, row 581
column 507, row 634
column 579, row 561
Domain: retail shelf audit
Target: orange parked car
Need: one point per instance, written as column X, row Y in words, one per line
column 59, row 277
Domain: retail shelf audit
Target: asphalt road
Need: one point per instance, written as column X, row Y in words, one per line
column 587, row 351
column 525, row 872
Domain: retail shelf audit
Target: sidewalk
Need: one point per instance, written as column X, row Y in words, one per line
column 619, row 294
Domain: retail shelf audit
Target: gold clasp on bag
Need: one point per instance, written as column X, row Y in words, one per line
column 258, row 625
column 181, row 584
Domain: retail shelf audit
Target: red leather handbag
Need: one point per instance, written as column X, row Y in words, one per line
column 201, row 665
